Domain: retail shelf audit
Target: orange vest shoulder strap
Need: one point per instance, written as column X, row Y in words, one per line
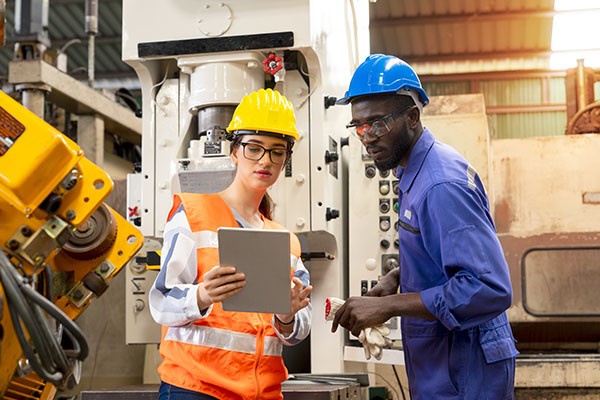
column 206, row 211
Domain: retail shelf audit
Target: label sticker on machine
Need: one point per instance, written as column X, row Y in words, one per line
column 10, row 131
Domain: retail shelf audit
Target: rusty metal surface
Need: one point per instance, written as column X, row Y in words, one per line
column 138, row 392
column 562, row 326
column 291, row 391
column 586, row 120
column 558, row 374
column 557, row 394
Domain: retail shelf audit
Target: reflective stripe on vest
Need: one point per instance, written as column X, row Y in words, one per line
column 206, row 239
column 223, row 339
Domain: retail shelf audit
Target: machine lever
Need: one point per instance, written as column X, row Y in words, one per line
column 317, row 254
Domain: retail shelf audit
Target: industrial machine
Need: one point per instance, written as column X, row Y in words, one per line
column 195, row 65
column 199, row 60
column 61, row 245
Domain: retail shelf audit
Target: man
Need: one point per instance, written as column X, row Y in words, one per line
column 453, row 279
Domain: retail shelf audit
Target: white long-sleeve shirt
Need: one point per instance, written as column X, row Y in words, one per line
column 173, row 297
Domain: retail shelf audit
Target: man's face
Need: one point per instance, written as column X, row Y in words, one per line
column 387, row 136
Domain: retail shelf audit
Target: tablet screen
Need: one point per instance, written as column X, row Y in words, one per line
column 264, row 256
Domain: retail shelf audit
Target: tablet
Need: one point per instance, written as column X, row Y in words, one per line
column 264, row 256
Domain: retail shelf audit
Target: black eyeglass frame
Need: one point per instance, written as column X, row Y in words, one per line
column 288, row 153
column 386, row 120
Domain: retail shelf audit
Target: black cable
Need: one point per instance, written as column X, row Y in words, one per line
column 48, row 279
column 61, row 317
column 30, row 310
column 399, row 382
column 19, row 313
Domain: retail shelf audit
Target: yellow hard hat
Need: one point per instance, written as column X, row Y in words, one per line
column 266, row 111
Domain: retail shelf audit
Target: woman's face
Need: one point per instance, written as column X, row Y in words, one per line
column 260, row 159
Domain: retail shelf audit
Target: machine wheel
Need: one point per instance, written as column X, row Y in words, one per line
column 93, row 237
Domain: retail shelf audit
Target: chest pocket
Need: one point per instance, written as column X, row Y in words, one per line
column 407, row 227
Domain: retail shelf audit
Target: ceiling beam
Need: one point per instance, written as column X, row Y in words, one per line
column 492, row 55
column 494, row 75
column 470, row 17
column 99, row 40
column 484, row 55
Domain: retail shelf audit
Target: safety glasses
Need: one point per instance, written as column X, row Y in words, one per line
column 377, row 127
column 255, row 152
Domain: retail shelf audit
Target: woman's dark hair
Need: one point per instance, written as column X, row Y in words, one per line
column 266, row 204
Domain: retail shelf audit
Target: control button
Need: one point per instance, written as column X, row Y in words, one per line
column 397, row 243
column 384, row 187
column 384, row 174
column 396, row 206
column 389, row 263
column 370, row 171
column 364, row 287
column 384, row 243
column 384, row 223
column 371, row 264
column 384, row 206
column 395, row 187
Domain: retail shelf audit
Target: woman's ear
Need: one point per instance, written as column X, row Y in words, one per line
column 234, row 155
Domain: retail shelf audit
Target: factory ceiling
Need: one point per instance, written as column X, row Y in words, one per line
column 436, row 36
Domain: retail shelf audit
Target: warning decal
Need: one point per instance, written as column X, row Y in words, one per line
column 10, row 130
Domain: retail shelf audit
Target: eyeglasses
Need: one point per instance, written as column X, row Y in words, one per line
column 377, row 127
column 255, row 152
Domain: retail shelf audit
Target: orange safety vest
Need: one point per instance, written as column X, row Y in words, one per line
column 228, row 355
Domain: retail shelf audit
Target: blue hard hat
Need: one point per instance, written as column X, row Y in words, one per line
column 381, row 73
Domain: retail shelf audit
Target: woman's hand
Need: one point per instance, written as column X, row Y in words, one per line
column 219, row 283
column 299, row 300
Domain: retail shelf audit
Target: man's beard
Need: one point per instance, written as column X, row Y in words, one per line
column 395, row 158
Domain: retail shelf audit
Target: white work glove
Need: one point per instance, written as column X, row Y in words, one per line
column 373, row 339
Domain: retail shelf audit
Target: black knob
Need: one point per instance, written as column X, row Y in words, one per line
column 51, row 204
column 344, row 141
column 331, row 213
column 370, row 171
column 384, row 243
column 389, row 265
column 331, row 157
column 329, row 101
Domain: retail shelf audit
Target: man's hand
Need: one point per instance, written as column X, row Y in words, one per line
column 358, row 313
column 388, row 285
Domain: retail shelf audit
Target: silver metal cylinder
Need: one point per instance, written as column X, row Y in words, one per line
column 91, row 16
column 212, row 121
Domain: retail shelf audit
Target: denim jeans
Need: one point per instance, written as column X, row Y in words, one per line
column 170, row 392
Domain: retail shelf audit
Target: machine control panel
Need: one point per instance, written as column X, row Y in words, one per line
column 373, row 223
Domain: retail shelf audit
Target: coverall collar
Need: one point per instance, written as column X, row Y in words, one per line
column 416, row 158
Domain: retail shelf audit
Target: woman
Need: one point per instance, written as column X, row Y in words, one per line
column 209, row 353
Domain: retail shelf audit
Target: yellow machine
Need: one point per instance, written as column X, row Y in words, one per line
column 60, row 246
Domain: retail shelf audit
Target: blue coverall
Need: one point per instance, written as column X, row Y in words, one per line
column 449, row 252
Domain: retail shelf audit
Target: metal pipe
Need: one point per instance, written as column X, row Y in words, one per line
column 91, row 28
column 582, row 94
